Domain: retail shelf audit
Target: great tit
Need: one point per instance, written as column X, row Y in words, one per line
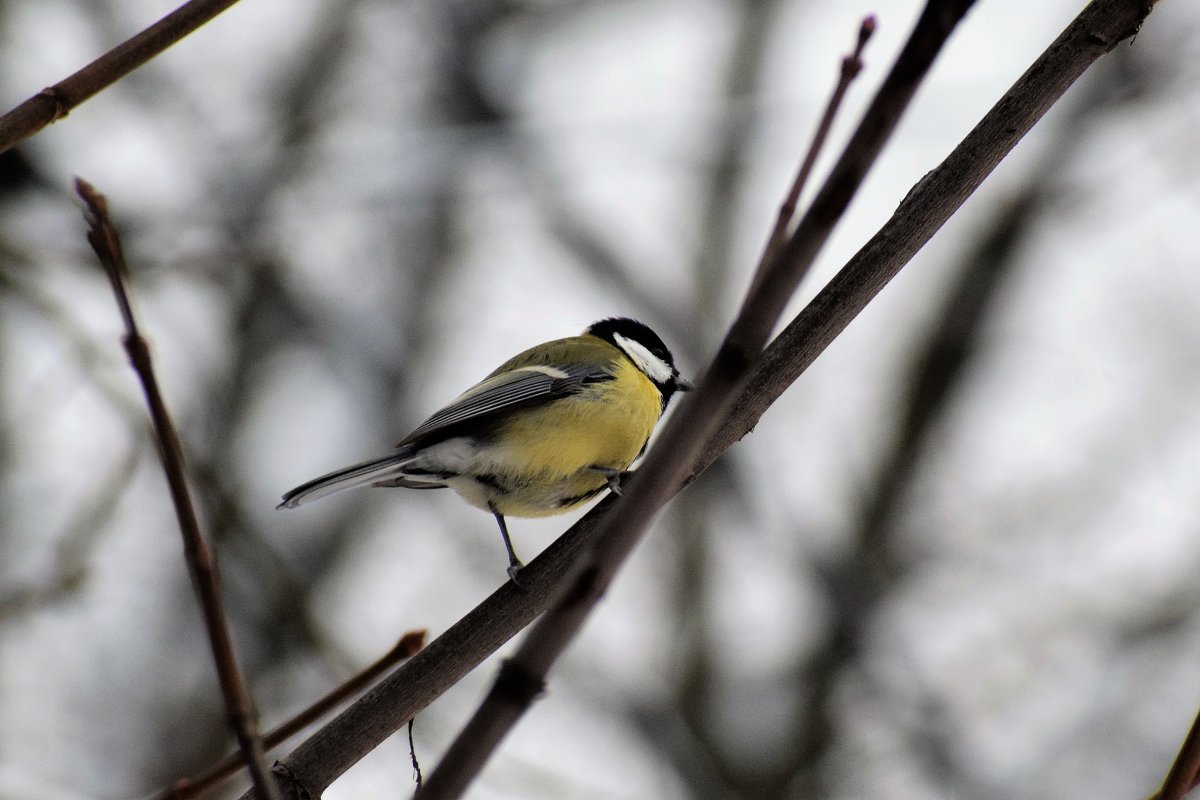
column 547, row 431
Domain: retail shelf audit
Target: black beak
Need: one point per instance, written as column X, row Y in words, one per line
column 682, row 384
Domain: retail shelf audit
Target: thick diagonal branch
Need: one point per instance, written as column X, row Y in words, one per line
column 317, row 762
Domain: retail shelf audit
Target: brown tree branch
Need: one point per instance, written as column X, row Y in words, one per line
column 55, row 102
column 409, row 645
column 239, row 708
column 1098, row 28
column 329, row 752
column 681, row 444
column 851, row 66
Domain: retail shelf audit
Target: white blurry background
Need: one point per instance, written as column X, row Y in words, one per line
column 957, row 559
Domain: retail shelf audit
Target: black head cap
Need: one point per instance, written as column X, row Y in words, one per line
column 645, row 349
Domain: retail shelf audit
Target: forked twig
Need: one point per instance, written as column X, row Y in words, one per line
column 409, row 645
column 346, row 739
column 682, row 442
column 239, row 708
column 55, row 102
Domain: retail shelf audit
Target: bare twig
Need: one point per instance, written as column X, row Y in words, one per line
column 851, row 66
column 55, row 102
column 318, row 761
column 412, row 754
column 1097, row 29
column 409, row 645
column 201, row 563
column 681, row 444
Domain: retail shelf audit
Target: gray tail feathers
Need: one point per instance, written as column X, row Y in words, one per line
column 368, row 472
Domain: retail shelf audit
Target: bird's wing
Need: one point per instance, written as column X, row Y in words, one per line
column 508, row 390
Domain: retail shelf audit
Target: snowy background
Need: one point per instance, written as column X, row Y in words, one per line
column 957, row 559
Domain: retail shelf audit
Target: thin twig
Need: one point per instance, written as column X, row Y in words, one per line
column 346, row 739
column 412, row 754
column 1098, row 28
column 55, row 102
column 851, row 66
column 387, row 707
column 238, row 706
column 409, row 645
column 681, row 444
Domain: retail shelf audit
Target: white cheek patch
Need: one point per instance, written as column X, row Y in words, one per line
column 655, row 368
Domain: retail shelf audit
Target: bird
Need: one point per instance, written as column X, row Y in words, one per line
column 547, row 431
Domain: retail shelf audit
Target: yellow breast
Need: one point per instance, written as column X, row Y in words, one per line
column 548, row 458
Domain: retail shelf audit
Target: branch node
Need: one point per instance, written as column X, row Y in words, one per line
column 291, row 784
column 62, row 106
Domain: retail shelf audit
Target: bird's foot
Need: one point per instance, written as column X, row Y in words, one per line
column 614, row 477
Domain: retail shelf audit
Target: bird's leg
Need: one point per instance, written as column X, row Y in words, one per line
column 614, row 478
column 514, row 563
